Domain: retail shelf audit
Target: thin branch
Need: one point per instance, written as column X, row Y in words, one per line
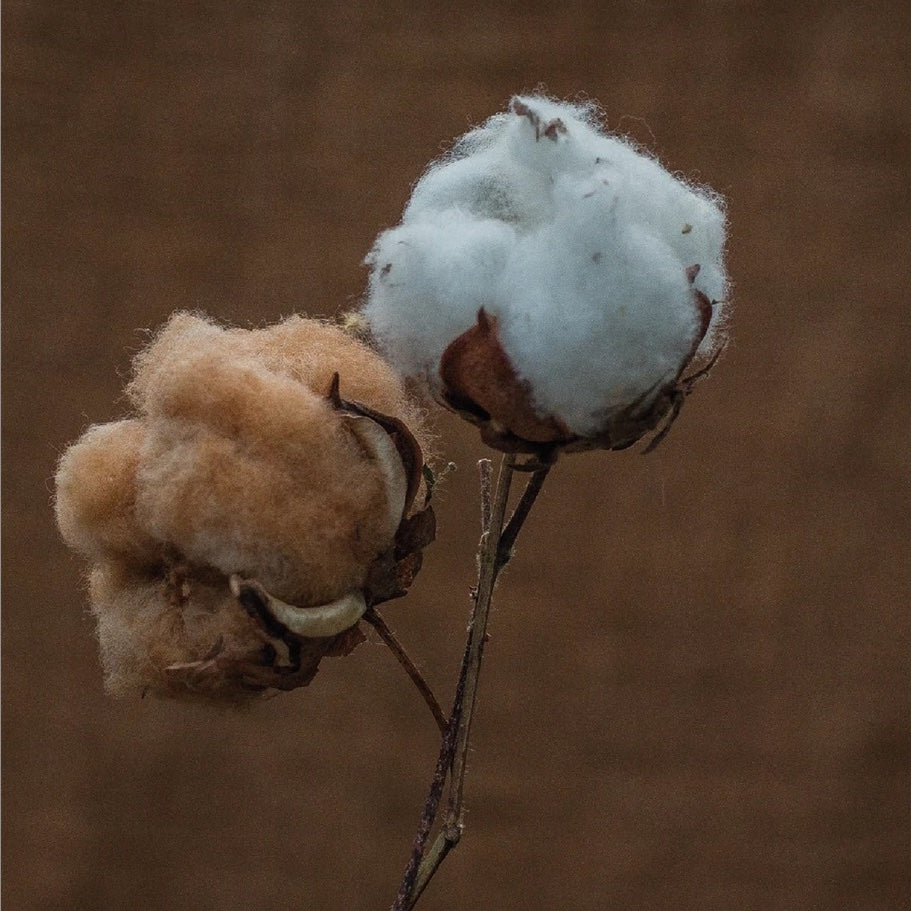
column 523, row 508
column 373, row 617
column 410, row 888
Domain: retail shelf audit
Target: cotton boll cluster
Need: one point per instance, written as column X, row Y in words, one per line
column 242, row 462
column 552, row 282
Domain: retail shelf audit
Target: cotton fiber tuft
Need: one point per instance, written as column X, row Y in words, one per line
column 240, row 520
column 564, row 262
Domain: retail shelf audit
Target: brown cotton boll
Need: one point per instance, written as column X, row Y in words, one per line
column 241, row 524
column 96, row 493
column 179, row 336
column 200, row 371
column 139, row 630
column 239, row 398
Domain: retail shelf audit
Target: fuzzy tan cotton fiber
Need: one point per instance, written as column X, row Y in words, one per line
column 236, row 462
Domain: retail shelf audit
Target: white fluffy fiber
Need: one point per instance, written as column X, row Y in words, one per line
column 576, row 241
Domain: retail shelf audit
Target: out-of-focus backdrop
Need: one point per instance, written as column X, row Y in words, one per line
column 696, row 694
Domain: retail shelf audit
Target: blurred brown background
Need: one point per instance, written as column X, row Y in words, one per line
column 696, row 694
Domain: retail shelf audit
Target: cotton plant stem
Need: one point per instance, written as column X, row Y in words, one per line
column 497, row 541
column 373, row 617
column 484, row 472
column 409, row 890
column 488, row 569
column 413, row 883
column 448, row 838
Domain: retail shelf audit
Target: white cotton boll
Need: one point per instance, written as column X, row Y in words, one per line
column 560, row 263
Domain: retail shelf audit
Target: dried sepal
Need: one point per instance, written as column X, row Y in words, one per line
column 407, row 447
column 319, row 622
column 380, row 449
column 551, row 129
column 393, row 572
column 283, row 646
column 286, row 659
column 479, row 382
column 416, row 532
